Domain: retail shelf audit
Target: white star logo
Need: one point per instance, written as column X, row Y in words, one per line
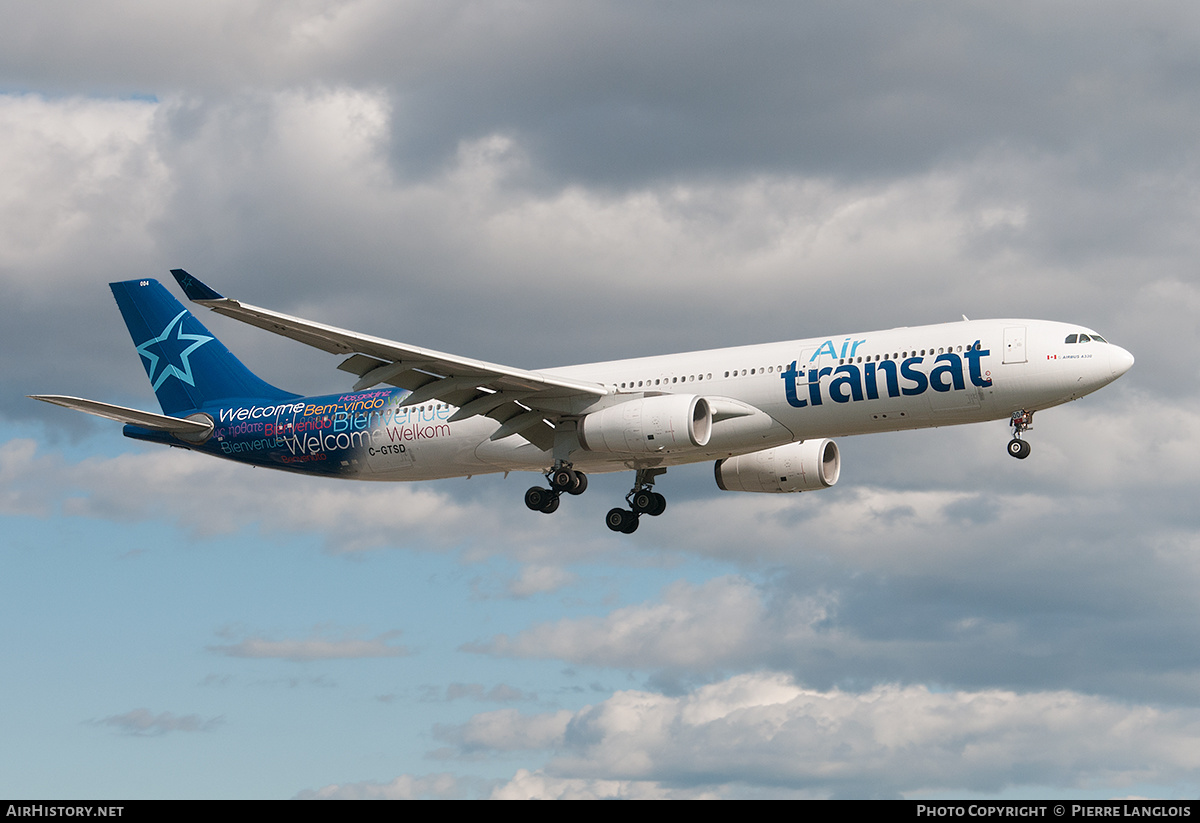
column 165, row 342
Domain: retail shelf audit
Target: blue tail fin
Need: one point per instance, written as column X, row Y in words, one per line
column 187, row 366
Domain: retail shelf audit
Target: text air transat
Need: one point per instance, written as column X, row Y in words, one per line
column 763, row 413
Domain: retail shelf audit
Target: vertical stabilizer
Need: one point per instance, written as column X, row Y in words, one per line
column 188, row 367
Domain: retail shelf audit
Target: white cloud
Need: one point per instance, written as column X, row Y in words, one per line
column 23, row 488
column 78, row 175
column 536, row 785
column 714, row 623
column 762, row 730
column 210, row 496
column 507, row 730
column 404, row 787
column 538, row 579
column 866, row 623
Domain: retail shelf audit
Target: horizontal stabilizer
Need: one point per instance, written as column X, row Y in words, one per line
column 186, row 429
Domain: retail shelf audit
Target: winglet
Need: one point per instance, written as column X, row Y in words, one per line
column 193, row 288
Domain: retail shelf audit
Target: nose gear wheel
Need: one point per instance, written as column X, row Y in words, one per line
column 1021, row 422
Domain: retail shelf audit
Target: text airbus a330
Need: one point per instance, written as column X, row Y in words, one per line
column 763, row 413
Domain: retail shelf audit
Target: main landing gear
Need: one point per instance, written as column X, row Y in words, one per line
column 562, row 478
column 642, row 499
column 1021, row 422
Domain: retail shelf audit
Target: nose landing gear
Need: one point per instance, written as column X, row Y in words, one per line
column 1021, row 422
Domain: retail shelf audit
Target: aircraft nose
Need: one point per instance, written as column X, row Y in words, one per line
column 1120, row 360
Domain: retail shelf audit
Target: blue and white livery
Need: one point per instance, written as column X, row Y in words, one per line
column 764, row 414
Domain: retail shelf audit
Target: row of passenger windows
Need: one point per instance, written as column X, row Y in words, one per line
column 907, row 354
column 1084, row 338
column 691, row 378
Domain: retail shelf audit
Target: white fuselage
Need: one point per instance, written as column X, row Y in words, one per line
column 772, row 394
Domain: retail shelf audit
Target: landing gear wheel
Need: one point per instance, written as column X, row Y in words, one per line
column 621, row 520
column 1021, row 422
column 648, row 502
column 643, row 501
column 1019, row 448
column 538, row 498
column 563, row 479
column 580, row 484
column 551, row 505
column 615, row 519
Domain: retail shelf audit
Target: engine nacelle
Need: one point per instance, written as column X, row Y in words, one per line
column 797, row 467
column 648, row 425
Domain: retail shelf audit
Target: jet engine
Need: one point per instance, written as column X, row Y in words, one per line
column 648, row 425
column 797, row 467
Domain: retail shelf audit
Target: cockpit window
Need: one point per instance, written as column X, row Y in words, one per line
column 1084, row 338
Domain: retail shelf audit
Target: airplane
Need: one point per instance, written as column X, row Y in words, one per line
column 765, row 414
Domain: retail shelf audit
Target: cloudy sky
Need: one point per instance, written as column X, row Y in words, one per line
column 540, row 183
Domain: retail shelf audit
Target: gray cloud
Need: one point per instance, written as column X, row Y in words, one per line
column 884, row 587
column 145, row 723
column 500, row 693
column 348, row 646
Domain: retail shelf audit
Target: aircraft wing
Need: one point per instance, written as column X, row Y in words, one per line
column 520, row 400
column 146, row 420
